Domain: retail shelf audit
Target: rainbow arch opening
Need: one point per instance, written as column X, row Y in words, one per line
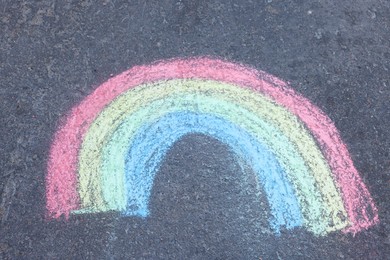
column 152, row 142
column 333, row 181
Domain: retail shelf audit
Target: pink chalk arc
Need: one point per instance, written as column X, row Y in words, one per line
column 61, row 182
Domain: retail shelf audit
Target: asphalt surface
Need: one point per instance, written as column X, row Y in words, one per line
column 54, row 53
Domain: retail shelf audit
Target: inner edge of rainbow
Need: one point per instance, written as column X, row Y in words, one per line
column 252, row 79
column 322, row 211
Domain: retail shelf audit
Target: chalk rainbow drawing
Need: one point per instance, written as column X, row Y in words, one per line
column 106, row 153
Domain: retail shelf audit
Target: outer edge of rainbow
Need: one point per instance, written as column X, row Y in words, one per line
column 212, row 69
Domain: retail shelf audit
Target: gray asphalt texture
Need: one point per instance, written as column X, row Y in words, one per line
column 204, row 206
